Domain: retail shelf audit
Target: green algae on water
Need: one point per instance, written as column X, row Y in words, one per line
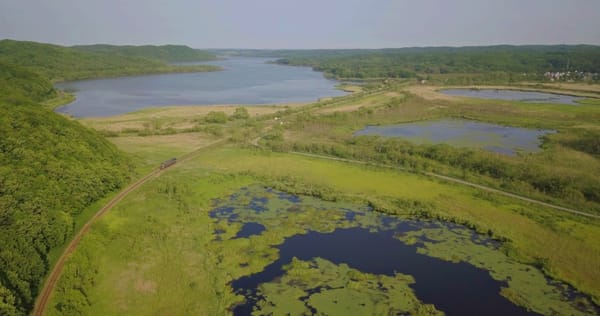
column 527, row 286
column 320, row 285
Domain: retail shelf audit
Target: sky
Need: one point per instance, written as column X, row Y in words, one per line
column 302, row 23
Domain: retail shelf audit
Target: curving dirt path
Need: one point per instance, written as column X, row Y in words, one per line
column 44, row 295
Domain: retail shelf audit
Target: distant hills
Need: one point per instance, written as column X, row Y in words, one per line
column 500, row 63
column 168, row 53
column 59, row 63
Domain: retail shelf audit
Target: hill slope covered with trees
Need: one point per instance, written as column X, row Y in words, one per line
column 59, row 63
column 51, row 168
column 168, row 53
column 514, row 62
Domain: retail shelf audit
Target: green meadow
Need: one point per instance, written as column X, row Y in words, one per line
column 120, row 265
column 157, row 251
column 171, row 247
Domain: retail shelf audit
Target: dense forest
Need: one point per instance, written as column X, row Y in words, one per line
column 580, row 63
column 168, row 53
column 51, row 168
column 59, row 63
column 19, row 85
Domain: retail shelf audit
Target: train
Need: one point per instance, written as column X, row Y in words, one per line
column 168, row 163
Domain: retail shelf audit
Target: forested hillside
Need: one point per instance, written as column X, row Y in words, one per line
column 51, row 168
column 59, row 63
column 19, row 85
column 168, row 53
column 517, row 62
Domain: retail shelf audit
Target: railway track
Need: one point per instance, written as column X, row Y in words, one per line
column 44, row 296
column 456, row 180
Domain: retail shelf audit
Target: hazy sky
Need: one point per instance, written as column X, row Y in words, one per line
column 302, row 24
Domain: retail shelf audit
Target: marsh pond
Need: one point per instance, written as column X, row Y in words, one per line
column 462, row 133
column 243, row 80
column 301, row 255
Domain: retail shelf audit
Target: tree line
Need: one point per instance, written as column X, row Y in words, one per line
column 513, row 62
column 167, row 53
column 59, row 63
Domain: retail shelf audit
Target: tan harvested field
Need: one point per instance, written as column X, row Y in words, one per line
column 579, row 87
column 429, row 92
column 183, row 142
column 370, row 101
column 149, row 151
column 177, row 117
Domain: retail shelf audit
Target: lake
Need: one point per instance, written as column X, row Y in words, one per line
column 243, row 80
column 304, row 256
column 462, row 133
column 514, row 95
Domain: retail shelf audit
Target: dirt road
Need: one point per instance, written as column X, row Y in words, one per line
column 44, row 296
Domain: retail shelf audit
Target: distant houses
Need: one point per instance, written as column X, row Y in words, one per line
column 571, row 76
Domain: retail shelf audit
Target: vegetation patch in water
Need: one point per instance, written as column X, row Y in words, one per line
column 283, row 215
column 527, row 286
column 320, row 285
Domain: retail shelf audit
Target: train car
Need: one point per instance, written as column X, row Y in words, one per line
column 168, row 163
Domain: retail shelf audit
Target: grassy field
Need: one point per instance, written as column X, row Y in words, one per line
column 149, row 151
column 329, row 128
column 167, row 224
column 120, row 266
column 566, row 242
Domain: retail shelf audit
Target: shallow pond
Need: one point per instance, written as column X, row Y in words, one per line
column 243, row 80
column 315, row 257
column 462, row 133
column 514, row 95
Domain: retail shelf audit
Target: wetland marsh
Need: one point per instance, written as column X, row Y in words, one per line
column 338, row 258
column 463, row 133
column 248, row 230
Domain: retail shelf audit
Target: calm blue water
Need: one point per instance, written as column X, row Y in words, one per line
column 455, row 288
column 501, row 139
column 514, row 95
column 362, row 239
column 250, row 229
column 243, row 81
